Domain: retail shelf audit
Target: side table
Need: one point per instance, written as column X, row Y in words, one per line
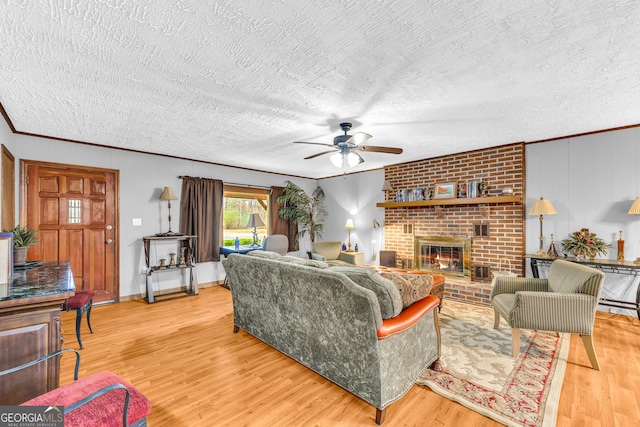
column 184, row 245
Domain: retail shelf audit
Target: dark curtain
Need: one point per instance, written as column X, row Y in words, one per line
column 279, row 225
column 201, row 210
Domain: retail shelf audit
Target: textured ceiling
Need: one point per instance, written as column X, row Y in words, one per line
column 236, row 82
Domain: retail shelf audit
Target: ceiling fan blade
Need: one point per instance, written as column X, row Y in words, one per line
column 360, row 159
column 378, row 149
column 319, row 154
column 358, row 138
column 313, row 143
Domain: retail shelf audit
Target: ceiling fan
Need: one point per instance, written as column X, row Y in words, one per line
column 345, row 147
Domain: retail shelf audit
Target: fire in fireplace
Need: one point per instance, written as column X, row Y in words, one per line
column 444, row 255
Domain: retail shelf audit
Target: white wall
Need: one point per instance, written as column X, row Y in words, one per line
column 355, row 196
column 591, row 181
column 142, row 178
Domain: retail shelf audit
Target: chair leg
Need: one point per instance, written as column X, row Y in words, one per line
column 496, row 319
column 78, row 325
column 591, row 351
column 89, row 306
column 515, row 342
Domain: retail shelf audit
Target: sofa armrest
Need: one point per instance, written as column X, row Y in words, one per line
column 408, row 317
column 318, row 257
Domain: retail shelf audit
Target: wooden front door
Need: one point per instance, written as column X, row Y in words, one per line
column 74, row 208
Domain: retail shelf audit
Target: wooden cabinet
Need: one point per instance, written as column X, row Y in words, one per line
column 26, row 336
column 30, row 328
column 181, row 260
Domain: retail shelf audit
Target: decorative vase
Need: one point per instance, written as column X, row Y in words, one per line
column 580, row 256
column 20, row 255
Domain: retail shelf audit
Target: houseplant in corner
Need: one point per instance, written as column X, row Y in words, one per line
column 23, row 237
column 306, row 211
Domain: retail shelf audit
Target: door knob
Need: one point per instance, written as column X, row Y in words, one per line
column 109, row 241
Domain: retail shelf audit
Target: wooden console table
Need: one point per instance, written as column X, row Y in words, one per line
column 30, row 328
column 605, row 265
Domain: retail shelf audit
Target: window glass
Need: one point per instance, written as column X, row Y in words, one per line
column 239, row 204
column 75, row 211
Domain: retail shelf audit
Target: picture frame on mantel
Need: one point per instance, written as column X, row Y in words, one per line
column 445, row 190
column 6, row 259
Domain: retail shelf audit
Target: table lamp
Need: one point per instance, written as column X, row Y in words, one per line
column 168, row 195
column 255, row 221
column 542, row 207
column 635, row 210
column 349, row 225
column 386, row 187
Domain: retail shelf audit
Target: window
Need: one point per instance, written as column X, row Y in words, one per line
column 239, row 204
column 75, row 211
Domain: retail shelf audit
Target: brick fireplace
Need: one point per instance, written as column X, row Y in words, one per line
column 495, row 231
column 443, row 255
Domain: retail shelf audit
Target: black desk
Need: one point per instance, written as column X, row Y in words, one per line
column 228, row 250
column 605, row 265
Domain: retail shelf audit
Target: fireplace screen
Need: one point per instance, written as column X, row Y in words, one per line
column 444, row 255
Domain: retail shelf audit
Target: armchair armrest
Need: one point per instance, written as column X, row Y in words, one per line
column 408, row 317
column 318, row 257
column 350, row 257
column 511, row 285
column 555, row 311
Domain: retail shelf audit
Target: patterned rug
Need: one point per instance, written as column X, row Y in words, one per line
column 479, row 373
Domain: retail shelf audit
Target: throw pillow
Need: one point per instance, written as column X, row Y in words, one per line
column 412, row 287
column 387, row 293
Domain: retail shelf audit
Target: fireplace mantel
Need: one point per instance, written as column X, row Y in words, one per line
column 452, row 201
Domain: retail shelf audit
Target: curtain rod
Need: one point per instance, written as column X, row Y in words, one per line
column 231, row 183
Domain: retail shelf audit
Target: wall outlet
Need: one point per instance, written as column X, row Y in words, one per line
column 137, row 222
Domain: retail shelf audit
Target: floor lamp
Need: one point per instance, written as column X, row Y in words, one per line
column 635, row 210
column 542, row 207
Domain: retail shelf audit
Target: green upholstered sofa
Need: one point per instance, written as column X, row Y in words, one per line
column 330, row 324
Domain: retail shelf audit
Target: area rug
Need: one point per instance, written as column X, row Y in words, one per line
column 479, row 372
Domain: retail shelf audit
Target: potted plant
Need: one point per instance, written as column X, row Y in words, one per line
column 23, row 237
column 584, row 244
column 306, row 211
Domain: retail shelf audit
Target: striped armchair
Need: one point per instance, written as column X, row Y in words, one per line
column 565, row 302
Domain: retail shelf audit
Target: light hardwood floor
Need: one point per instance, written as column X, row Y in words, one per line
column 183, row 355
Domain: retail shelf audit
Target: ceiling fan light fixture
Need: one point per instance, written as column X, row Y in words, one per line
column 353, row 159
column 336, row 159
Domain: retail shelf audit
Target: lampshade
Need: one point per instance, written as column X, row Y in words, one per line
column 387, row 186
column 336, row 159
column 168, row 194
column 255, row 221
column 635, row 207
column 349, row 224
column 542, row 207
